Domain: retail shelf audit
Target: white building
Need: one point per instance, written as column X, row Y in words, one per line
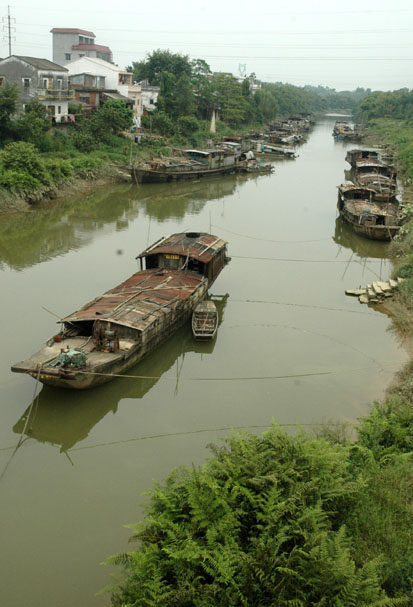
column 116, row 80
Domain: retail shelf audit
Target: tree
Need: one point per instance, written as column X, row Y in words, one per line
column 33, row 124
column 233, row 105
column 9, row 95
column 166, row 97
column 112, row 118
column 184, row 97
column 161, row 61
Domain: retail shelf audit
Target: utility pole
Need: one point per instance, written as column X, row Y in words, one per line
column 8, row 27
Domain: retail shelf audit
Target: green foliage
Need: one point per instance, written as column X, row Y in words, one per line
column 161, row 61
column 229, row 96
column 261, row 523
column 33, row 124
column 391, row 104
column 112, row 118
column 58, row 168
column 188, row 125
column 389, row 427
column 9, row 95
column 18, row 181
column 22, row 156
column 160, row 123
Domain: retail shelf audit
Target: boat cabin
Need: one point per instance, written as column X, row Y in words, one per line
column 213, row 158
column 354, row 156
column 201, row 253
column 364, row 167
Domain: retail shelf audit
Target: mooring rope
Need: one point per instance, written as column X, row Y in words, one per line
column 236, row 378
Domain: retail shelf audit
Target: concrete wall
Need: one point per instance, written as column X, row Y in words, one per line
column 62, row 45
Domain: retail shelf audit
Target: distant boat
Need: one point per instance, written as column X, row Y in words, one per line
column 205, row 320
column 357, row 155
column 193, row 164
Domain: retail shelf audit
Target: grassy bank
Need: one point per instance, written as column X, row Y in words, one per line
column 30, row 173
column 397, row 136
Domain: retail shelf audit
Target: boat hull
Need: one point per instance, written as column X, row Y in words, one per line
column 90, row 377
column 384, row 233
column 140, row 175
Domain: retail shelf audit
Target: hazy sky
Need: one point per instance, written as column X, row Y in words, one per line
column 355, row 43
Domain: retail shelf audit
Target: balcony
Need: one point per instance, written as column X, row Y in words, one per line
column 56, row 94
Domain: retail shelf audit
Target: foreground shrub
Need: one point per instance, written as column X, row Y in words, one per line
column 22, row 156
column 261, row 523
column 18, row 181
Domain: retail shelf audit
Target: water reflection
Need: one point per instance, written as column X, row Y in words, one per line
column 66, row 417
column 55, row 228
column 363, row 247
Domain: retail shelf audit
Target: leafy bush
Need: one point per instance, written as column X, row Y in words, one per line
column 187, row 125
column 261, row 523
column 18, row 181
column 83, row 140
column 160, row 123
column 22, row 156
column 405, row 270
column 59, row 168
column 388, row 428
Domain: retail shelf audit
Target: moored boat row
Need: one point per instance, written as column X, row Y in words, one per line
column 368, row 202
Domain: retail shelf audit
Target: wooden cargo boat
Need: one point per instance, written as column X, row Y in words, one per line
column 205, row 320
column 344, row 131
column 116, row 330
column 357, row 155
column 377, row 176
column 273, row 150
column 357, row 207
column 194, row 164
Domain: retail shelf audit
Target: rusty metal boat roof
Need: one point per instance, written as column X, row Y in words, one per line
column 141, row 299
column 349, row 186
column 359, row 207
column 197, row 245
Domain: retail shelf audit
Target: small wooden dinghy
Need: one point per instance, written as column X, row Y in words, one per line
column 205, row 320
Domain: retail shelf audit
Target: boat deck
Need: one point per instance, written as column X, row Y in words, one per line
column 48, row 353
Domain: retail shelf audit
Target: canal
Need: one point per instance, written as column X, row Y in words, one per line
column 291, row 347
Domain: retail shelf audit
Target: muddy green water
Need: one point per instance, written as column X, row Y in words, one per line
column 291, row 347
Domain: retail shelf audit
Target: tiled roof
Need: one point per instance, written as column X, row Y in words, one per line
column 72, row 30
column 42, row 64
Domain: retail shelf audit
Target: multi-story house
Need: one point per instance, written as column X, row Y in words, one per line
column 70, row 44
column 118, row 83
column 88, row 90
column 40, row 79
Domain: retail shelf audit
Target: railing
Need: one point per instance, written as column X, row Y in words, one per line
column 54, row 94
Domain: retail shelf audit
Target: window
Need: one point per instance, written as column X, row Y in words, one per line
column 26, row 82
column 68, row 56
column 59, row 83
column 2, row 81
column 59, row 109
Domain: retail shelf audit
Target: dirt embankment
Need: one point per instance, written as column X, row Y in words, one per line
column 14, row 203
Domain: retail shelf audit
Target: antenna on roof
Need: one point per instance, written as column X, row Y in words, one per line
column 242, row 68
